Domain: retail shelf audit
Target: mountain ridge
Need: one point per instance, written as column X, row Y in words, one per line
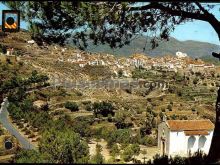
column 194, row 49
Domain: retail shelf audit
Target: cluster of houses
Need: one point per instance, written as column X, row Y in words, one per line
column 166, row 63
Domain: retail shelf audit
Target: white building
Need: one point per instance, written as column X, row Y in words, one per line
column 181, row 55
column 184, row 137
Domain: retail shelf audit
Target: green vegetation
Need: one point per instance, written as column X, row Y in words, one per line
column 130, row 151
column 71, row 106
column 98, row 158
column 103, row 109
column 29, row 156
column 72, row 149
column 197, row 158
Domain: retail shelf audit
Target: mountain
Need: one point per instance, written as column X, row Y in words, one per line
column 193, row 49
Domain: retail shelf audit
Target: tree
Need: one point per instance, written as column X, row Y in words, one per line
column 120, row 73
column 169, row 107
column 195, row 81
column 115, row 24
column 114, row 150
column 71, row 106
column 29, row 156
column 136, row 149
column 127, row 154
column 103, row 108
column 98, row 158
column 130, row 151
column 26, row 105
column 64, row 146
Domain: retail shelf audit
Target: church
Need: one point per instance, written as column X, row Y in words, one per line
column 184, row 137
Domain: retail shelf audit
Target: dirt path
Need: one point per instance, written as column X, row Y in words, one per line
column 105, row 151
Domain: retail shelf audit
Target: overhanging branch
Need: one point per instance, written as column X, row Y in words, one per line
column 170, row 11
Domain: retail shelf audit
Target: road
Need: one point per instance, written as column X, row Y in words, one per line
column 12, row 130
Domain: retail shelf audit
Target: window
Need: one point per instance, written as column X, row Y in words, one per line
column 202, row 140
column 191, row 143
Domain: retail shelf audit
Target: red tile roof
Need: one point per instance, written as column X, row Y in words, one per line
column 189, row 133
column 190, row 125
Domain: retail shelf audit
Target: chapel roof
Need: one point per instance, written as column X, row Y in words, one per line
column 190, row 125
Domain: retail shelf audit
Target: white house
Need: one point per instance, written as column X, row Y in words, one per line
column 184, row 137
column 181, row 55
column 31, row 42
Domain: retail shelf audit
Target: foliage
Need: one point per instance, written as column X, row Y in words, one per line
column 114, row 150
column 197, row 158
column 169, row 107
column 103, row 108
column 98, row 157
column 72, row 106
column 146, row 128
column 71, row 148
column 120, row 73
column 29, row 156
column 130, row 151
column 195, row 80
column 82, row 124
column 112, row 23
column 119, row 136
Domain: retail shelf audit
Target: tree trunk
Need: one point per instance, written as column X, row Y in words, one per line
column 214, row 152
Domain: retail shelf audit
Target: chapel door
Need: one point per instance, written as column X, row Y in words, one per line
column 163, row 147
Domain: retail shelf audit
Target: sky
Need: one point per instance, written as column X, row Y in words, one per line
column 196, row 30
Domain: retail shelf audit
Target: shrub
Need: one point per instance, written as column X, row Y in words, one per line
column 86, row 102
column 71, row 106
column 169, row 107
column 195, row 81
column 38, row 139
column 163, row 109
column 103, row 109
column 20, row 125
column 193, row 109
column 123, row 125
column 32, row 135
column 88, row 108
column 27, row 132
column 110, row 118
column 24, row 129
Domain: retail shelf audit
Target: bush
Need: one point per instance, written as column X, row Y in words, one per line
column 193, row 109
column 130, row 151
column 197, row 158
column 71, row 106
column 32, row 135
column 103, row 108
column 110, row 118
column 123, row 125
column 163, row 109
column 149, row 141
column 169, row 107
column 24, row 129
column 20, row 125
column 27, row 132
column 86, row 102
column 88, row 108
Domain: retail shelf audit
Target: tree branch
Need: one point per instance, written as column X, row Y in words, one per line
column 208, row 17
column 202, row 8
column 168, row 10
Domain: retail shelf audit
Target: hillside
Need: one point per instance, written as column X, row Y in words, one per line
column 192, row 48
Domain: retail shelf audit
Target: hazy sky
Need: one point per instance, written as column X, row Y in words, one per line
column 196, row 30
